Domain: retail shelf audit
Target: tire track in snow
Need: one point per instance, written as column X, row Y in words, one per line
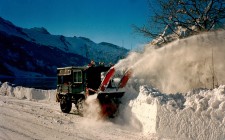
column 41, row 122
column 17, row 132
column 4, row 135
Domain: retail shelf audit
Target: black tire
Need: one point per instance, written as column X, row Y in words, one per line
column 65, row 105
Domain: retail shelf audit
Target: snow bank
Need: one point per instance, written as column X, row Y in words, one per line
column 199, row 114
column 27, row 93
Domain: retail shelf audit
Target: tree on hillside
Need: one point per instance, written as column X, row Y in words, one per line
column 183, row 18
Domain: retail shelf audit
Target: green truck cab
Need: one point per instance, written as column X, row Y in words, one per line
column 75, row 83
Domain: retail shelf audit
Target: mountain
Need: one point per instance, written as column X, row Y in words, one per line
column 35, row 52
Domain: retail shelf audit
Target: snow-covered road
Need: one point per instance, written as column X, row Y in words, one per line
column 24, row 119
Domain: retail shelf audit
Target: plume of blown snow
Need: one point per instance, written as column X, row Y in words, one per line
column 181, row 65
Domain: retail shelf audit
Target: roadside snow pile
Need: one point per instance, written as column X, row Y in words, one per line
column 26, row 93
column 199, row 114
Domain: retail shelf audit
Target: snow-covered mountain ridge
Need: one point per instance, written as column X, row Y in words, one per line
column 19, row 52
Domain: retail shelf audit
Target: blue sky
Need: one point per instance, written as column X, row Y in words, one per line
column 100, row 20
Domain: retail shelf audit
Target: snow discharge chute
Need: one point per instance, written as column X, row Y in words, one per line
column 125, row 78
column 107, row 78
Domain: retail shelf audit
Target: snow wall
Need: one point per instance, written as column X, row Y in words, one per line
column 20, row 92
column 199, row 114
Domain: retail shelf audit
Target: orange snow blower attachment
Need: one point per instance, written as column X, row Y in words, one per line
column 113, row 91
column 109, row 98
column 125, row 78
column 107, row 78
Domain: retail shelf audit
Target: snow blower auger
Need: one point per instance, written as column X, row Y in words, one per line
column 75, row 84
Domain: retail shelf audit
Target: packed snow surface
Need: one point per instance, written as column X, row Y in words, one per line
column 28, row 113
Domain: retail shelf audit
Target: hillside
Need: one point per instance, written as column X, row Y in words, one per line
column 35, row 52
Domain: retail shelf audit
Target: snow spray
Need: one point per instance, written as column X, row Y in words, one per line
column 185, row 64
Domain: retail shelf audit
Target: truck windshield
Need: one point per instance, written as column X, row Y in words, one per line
column 77, row 76
column 64, row 79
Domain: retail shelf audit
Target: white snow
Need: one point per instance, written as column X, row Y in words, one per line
column 194, row 115
column 28, row 113
column 27, row 93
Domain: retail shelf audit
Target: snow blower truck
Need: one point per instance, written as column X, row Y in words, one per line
column 75, row 84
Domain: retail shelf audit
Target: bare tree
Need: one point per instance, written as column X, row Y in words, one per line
column 192, row 16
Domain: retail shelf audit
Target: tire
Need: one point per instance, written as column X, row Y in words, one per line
column 80, row 106
column 65, row 105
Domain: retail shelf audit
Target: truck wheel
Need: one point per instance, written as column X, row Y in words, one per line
column 65, row 105
column 80, row 106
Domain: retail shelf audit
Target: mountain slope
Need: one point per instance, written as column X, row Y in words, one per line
column 20, row 56
column 36, row 51
column 77, row 45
